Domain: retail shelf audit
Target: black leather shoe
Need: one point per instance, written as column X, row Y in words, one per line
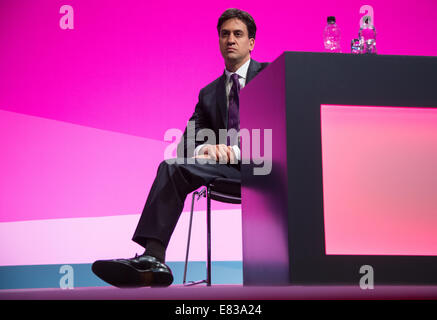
column 140, row 271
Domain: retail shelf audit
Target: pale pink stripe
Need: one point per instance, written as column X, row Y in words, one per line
column 52, row 169
column 83, row 240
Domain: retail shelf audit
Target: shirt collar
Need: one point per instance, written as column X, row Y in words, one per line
column 242, row 71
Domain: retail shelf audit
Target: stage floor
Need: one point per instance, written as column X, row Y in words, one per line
column 226, row 292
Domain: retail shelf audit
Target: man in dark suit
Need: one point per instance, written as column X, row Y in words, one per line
column 217, row 109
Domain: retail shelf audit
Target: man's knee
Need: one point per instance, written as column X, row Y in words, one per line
column 173, row 164
column 185, row 161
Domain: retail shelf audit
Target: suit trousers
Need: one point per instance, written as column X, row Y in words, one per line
column 167, row 195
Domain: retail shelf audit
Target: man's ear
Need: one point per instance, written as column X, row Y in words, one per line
column 251, row 44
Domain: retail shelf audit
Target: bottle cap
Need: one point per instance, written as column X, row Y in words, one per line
column 331, row 19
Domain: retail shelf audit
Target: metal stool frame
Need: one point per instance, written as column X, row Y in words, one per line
column 210, row 194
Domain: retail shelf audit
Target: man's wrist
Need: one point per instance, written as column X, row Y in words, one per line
column 236, row 152
column 198, row 148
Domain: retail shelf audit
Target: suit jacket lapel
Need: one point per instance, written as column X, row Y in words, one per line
column 253, row 70
column 221, row 101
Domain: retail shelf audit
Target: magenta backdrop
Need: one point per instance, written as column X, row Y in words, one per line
column 137, row 66
column 131, row 70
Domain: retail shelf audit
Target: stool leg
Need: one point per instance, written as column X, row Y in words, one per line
column 208, row 236
column 200, row 194
column 189, row 238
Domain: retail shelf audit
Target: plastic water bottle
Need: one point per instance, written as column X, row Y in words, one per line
column 367, row 36
column 331, row 36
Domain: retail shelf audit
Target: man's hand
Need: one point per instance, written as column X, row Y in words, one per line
column 219, row 152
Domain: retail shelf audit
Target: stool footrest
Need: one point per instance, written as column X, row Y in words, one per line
column 193, row 283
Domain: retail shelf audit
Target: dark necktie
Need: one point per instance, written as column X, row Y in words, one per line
column 233, row 112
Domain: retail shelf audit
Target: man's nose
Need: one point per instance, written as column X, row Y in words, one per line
column 231, row 39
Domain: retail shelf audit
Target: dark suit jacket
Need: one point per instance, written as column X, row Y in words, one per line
column 211, row 110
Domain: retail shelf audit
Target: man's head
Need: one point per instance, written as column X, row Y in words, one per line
column 237, row 31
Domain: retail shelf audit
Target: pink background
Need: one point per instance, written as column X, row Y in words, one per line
column 83, row 112
column 137, row 66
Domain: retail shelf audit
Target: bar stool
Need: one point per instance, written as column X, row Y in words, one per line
column 223, row 190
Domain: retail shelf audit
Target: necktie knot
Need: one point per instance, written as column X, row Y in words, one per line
column 235, row 82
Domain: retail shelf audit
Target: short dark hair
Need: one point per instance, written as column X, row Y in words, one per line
column 239, row 14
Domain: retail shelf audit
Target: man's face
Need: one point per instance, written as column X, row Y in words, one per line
column 235, row 44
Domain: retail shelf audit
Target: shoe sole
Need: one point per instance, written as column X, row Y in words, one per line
column 121, row 275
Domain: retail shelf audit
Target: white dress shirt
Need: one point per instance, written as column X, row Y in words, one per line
column 242, row 75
